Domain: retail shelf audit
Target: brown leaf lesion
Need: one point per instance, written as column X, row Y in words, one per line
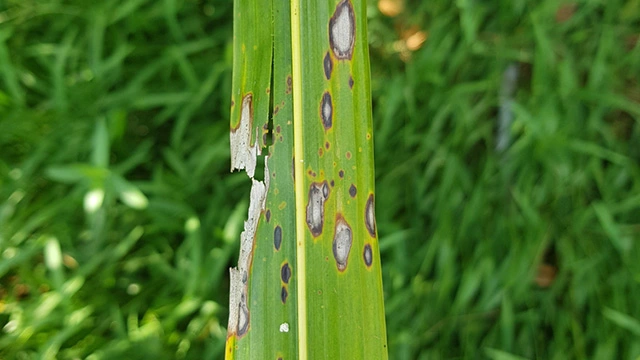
column 342, row 31
column 244, row 155
column 318, row 194
column 243, row 152
column 326, row 111
column 369, row 216
column 342, row 240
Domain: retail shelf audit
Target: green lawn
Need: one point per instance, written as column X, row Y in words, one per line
column 507, row 162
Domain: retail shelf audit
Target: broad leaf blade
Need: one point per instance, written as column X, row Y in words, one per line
column 308, row 283
column 250, row 318
column 343, row 285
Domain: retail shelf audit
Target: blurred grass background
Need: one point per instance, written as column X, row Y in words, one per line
column 507, row 160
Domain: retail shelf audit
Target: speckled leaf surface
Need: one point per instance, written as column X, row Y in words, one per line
column 308, row 282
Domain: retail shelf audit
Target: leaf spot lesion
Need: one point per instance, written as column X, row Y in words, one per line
column 243, row 317
column 289, row 86
column 367, row 255
column 243, row 153
column 285, row 273
column 342, row 240
column 369, row 216
column 342, row 30
column 326, row 111
column 318, row 194
column 328, row 65
column 277, row 237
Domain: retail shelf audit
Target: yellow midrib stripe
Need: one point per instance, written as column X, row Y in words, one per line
column 299, row 178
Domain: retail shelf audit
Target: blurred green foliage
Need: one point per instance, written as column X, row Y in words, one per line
column 118, row 218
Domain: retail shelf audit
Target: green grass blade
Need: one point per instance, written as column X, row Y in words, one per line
column 308, row 283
